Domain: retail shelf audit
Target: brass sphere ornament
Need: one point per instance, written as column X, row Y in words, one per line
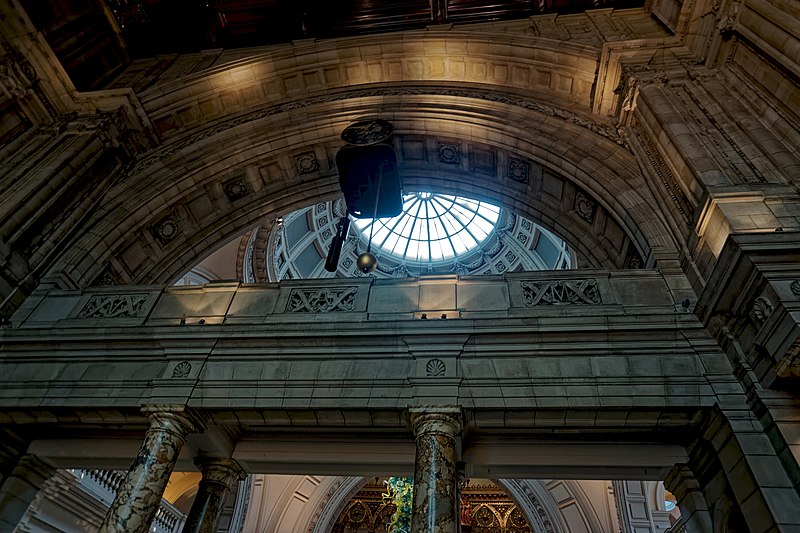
column 366, row 262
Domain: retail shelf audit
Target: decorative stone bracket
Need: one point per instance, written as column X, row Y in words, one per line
column 751, row 303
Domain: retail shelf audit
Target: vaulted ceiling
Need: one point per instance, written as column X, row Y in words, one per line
column 152, row 27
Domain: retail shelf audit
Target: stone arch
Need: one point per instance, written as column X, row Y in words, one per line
column 184, row 178
column 536, row 504
column 553, row 506
column 293, row 503
column 328, row 510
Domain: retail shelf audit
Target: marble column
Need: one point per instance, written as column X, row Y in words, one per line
column 435, row 477
column 140, row 494
column 20, row 488
column 219, row 477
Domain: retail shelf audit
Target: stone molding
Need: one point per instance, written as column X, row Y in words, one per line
column 174, row 419
column 222, row 472
column 436, row 420
column 493, row 96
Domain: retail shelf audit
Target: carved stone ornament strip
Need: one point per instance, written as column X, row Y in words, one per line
column 113, row 306
column 324, row 300
column 562, row 292
column 481, row 94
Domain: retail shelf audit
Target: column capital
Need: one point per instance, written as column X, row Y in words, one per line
column 444, row 420
column 176, row 419
column 222, row 471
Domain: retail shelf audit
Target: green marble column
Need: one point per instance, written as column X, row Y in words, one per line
column 219, row 477
column 140, row 495
column 435, row 478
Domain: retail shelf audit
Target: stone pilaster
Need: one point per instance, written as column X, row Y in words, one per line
column 219, row 477
column 435, row 476
column 695, row 517
column 20, row 488
column 743, row 480
column 139, row 496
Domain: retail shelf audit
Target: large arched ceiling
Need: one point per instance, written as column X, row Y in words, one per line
column 501, row 65
column 228, row 162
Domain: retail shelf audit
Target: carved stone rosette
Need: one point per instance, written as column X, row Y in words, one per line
column 435, row 479
column 139, row 496
column 219, row 477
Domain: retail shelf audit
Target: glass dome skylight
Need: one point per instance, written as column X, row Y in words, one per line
column 432, row 228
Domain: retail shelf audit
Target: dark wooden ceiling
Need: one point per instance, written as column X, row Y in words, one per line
column 152, row 27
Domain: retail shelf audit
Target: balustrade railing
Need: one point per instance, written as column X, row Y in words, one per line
column 104, row 484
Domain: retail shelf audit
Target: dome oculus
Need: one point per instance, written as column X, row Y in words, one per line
column 432, row 228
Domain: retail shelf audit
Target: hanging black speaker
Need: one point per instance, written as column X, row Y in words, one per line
column 368, row 172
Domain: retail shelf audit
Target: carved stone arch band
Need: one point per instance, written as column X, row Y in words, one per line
column 535, row 502
column 333, row 505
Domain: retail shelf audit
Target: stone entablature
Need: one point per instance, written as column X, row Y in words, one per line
column 511, row 295
column 548, row 340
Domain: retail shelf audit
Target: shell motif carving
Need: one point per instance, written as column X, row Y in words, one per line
column 181, row 370
column 795, row 287
column 762, row 309
column 435, row 368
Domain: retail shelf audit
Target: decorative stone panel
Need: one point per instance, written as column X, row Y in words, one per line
column 435, row 368
column 306, row 163
column 322, row 300
column 561, row 292
column 166, row 229
column 585, row 207
column 113, row 306
column 181, row 370
column 519, row 170
column 235, row 189
column 449, row 154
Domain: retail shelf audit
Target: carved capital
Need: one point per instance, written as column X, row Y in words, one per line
column 174, row 419
column 221, row 473
column 445, row 420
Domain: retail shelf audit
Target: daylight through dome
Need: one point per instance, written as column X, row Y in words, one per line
column 432, row 228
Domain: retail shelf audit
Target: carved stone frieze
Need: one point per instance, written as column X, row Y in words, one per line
column 322, row 300
column 481, row 94
column 113, row 306
column 670, row 185
column 561, row 292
